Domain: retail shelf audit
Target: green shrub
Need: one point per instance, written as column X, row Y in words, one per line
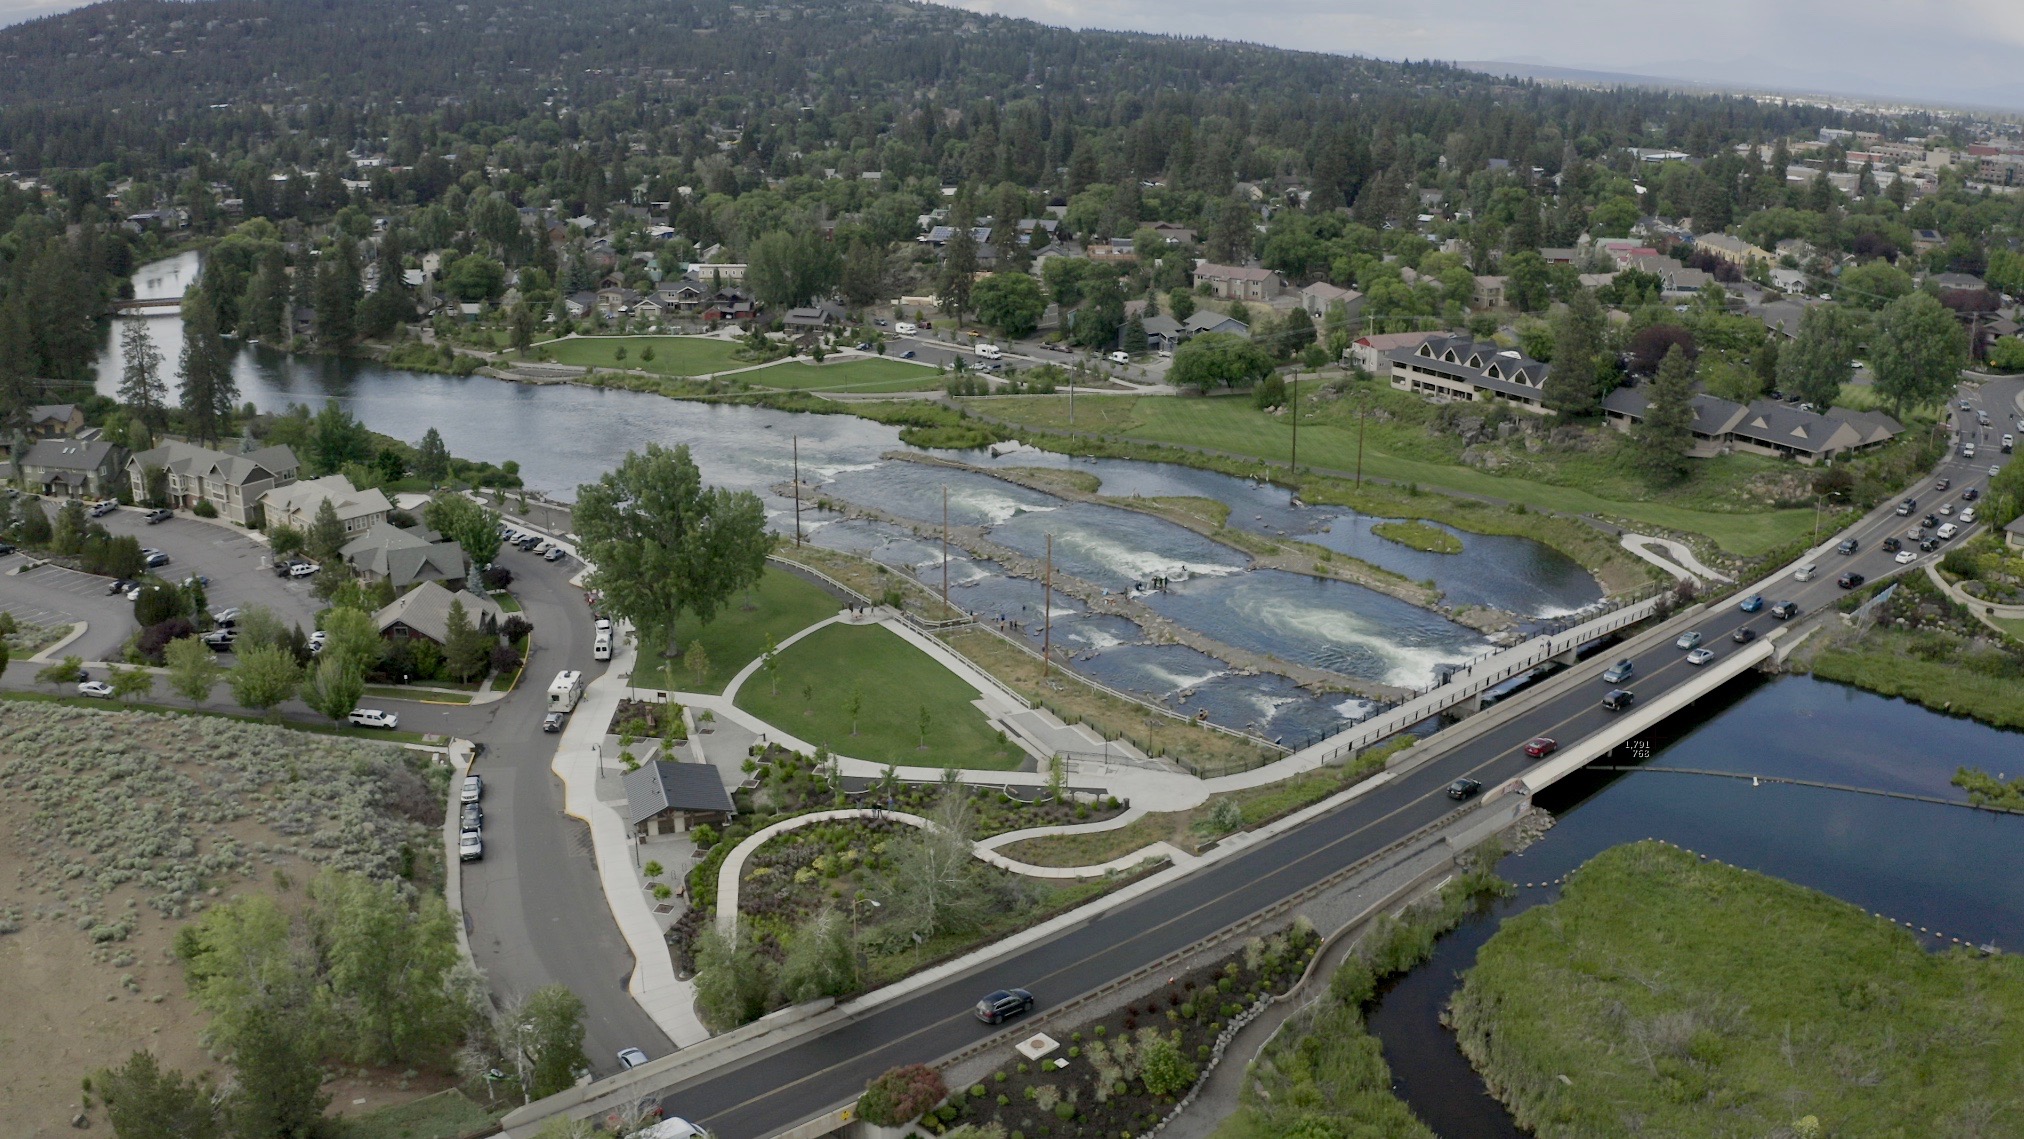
column 204, row 509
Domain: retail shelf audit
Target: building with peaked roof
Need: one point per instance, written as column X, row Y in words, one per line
column 232, row 483
column 51, row 419
column 1463, row 368
column 388, row 553
column 1370, row 352
column 1734, row 250
column 424, row 613
column 669, row 798
column 1239, row 282
column 1163, row 332
column 1319, row 296
column 2013, row 534
column 60, row 467
column 1765, row 427
column 298, row 504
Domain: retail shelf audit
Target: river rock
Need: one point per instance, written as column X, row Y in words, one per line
column 1485, row 458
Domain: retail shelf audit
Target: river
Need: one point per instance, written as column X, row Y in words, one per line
column 1945, row 868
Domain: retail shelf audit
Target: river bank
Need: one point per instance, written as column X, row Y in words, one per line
column 1700, row 999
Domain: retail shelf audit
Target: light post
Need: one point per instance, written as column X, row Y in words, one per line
column 863, row 963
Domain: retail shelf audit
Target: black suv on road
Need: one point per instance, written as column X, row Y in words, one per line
column 1003, row 1005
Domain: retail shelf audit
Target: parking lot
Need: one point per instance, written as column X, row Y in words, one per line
column 237, row 564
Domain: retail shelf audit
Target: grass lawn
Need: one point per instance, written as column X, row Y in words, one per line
column 854, row 375
column 1405, row 455
column 1703, row 999
column 673, row 355
column 1883, row 663
column 445, row 1115
column 895, row 681
column 782, row 606
column 2013, row 626
column 506, row 601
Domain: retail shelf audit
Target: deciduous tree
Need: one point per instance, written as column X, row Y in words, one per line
column 265, row 676
column 1917, row 352
column 192, row 668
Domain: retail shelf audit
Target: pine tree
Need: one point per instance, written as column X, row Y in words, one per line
column 1666, row 434
column 280, row 1092
column 140, row 386
column 209, row 391
column 1570, row 387
column 432, row 458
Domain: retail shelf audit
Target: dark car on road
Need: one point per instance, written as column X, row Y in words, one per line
column 1003, row 1005
column 1619, row 699
column 1744, row 635
column 1785, row 610
column 1943, row 484
column 1463, row 788
column 1849, row 580
column 1892, row 545
column 1849, row 546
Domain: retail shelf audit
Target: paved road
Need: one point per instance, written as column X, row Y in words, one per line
column 802, row 1079
column 534, row 907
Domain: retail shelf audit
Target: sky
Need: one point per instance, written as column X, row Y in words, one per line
column 1959, row 51
column 1962, row 51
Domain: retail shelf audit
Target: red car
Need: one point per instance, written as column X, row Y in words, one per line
column 1541, row 747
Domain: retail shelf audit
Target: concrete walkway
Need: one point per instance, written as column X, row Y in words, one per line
column 1676, row 558
column 731, row 874
column 671, row 1003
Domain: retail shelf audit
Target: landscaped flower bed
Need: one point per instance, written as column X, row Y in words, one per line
column 1128, row 1069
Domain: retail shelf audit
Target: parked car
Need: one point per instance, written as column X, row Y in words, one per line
column 103, row 507
column 630, row 1058
column 552, row 722
column 1849, row 580
column 196, row 579
column 1752, row 603
column 1463, row 788
column 229, row 616
column 122, row 585
column 1003, row 1005
column 907, row 355
column 473, row 790
column 159, row 514
column 134, row 594
column 1907, row 557
column 1744, row 635
column 156, row 560
column 1120, row 357
column 1700, row 656
column 471, row 818
column 220, row 640
column 374, row 718
column 317, row 640
column 1618, row 672
column 303, row 569
column 554, row 554
column 98, row 688
column 1539, row 747
column 470, row 846
column 1687, row 640
column 6, row 548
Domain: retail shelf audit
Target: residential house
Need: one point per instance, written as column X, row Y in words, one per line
column 1765, row 427
column 1239, row 282
column 1490, row 291
column 1965, row 282
column 52, row 419
column 72, row 468
column 1173, row 234
column 1028, row 226
column 616, row 301
column 1788, row 280
column 579, row 305
column 1734, row 250
column 2013, row 534
column 1317, row 297
column 730, row 304
column 1462, row 368
column 677, row 296
column 1372, row 353
column 716, row 276
column 1208, row 320
column 298, row 504
column 823, row 314
column 424, row 613
column 1163, row 332
column 1780, row 317
column 388, row 553
column 231, row 483
column 671, row 798
column 1559, row 256
column 1112, row 251
column 941, row 235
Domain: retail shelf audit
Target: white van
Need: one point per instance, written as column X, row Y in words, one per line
column 990, row 352
column 905, row 328
column 1806, row 572
column 602, row 649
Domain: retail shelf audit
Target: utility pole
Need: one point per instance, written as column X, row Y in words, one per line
column 797, row 491
column 1047, row 612
column 945, row 550
column 1361, row 409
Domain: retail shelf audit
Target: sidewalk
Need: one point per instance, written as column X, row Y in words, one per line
column 671, row 1003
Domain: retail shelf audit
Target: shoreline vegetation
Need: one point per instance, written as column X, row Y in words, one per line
column 1419, row 536
column 1704, row 999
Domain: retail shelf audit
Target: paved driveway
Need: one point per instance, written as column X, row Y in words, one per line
column 237, row 564
column 52, row 595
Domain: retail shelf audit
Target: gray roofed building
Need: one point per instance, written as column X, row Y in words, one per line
column 231, row 482
column 298, row 504
column 668, row 798
column 71, row 468
column 1463, row 368
column 1765, row 427
column 2013, row 534
column 388, row 553
column 424, row 612
column 820, row 315
column 47, row 419
column 1714, row 417
column 1163, row 332
column 1208, row 320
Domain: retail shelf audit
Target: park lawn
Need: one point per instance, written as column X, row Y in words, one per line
column 854, row 375
column 895, row 681
column 1704, row 999
column 1233, row 426
column 782, row 605
column 673, row 355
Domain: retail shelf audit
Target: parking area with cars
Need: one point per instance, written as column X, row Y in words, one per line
column 237, row 565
